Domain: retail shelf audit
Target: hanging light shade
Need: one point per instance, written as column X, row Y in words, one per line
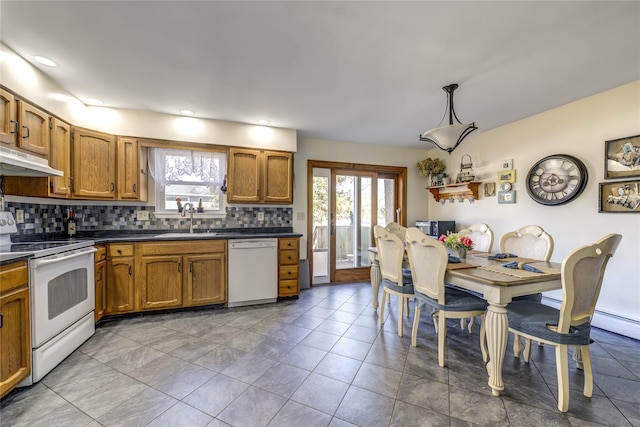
column 448, row 137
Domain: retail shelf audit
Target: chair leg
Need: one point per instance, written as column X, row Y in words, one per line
column 483, row 340
column 588, row 373
column 463, row 323
column 406, row 304
column 577, row 357
column 384, row 298
column 414, row 330
column 472, row 321
column 517, row 346
column 400, row 317
column 527, row 350
column 442, row 334
column 562, row 369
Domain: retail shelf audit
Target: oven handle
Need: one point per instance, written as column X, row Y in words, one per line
column 43, row 262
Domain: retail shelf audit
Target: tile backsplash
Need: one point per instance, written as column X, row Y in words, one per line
column 51, row 218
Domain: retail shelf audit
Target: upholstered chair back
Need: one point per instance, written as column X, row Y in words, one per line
column 481, row 236
column 428, row 260
column 530, row 241
column 397, row 229
column 390, row 253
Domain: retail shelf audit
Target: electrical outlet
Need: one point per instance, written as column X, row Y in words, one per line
column 19, row 216
column 260, row 216
column 300, row 216
column 142, row 215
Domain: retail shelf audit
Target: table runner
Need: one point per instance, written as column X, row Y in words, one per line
column 522, row 274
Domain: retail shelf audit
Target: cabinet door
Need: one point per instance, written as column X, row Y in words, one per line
column 277, row 177
column 94, row 164
column 128, row 168
column 8, row 119
column 15, row 341
column 120, row 285
column 161, row 282
column 206, row 281
column 33, row 129
column 101, row 290
column 60, row 158
column 243, row 184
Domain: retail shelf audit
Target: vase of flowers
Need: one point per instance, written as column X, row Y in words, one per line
column 430, row 168
column 456, row 244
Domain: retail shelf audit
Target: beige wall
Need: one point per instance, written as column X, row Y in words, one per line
column 579, row 129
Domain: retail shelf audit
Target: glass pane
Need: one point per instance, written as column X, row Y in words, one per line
column 353, row 221
column 320, row 242
column 191, row 193
column 386, row 201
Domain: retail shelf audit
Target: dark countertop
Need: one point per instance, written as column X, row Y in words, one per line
column 195, row 236
column 9, row 258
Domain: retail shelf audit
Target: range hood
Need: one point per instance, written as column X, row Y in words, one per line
column 17, row 163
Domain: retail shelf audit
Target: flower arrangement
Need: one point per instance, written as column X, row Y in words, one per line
column 455, row 242
column 431, row 167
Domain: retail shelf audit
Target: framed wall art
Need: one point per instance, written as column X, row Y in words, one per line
column 622, row 158
column 620, row 197
column 506, row 197
column 507, row 176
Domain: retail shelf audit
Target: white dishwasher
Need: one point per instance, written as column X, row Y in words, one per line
column 253, row 271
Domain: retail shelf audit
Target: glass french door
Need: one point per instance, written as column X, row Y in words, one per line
column 345, row 205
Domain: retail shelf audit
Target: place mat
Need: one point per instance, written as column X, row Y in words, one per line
column 518, row 259
column 522, row 274
column 460, row 265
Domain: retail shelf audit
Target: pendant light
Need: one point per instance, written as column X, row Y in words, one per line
column 448, row 137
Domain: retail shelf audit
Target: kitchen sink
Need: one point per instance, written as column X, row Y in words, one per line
column 183, row 235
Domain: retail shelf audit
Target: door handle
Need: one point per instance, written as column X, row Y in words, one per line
column 28, row 132
column 179, row 267
column 134, row 188
column 15, row 128
column 130, row 270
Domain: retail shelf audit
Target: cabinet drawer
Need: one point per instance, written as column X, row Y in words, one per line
column 180, row 247
column 116, row 250
column 288, row 243
column 13, row 276
column 101, row 255
column 288, row 272
column 288, row 287
column 288, row 257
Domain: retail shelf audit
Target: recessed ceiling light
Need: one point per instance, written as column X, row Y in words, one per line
column 45, row 61
column 93, row 101
column 263, row 122
column 186, row 112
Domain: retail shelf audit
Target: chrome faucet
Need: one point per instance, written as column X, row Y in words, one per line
column 184, row 211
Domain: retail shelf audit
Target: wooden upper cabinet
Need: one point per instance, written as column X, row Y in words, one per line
column 132, row 170
column 8, row 119
column 277, row 177
column 33, row 129
column 256, row 176
column 243, row 181
column 93, row 164
column 60, row 158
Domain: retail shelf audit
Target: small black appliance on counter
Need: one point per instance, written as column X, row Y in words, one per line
column 436, row 228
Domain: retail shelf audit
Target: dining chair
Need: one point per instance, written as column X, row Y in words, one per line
column 533, row 242
column 428, row 260
column 481, row 235
column 570, row 326
column 397, row 229
column 395, row 280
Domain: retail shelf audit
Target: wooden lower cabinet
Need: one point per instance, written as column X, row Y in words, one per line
column 15, row 338
column 182, row 274
column 288, row 267
column 120, row 278
column 101, row 281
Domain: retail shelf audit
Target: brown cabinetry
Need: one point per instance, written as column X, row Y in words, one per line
column 101, row 281
column 120, row 278
column 288, row 267
column 93, row 164
column 33, row 129
column 256, row 176
column 132, row 169
column 15, row 341
column 8, row 119
column 181, row 274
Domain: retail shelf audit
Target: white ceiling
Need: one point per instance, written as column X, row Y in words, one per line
column 367, row 72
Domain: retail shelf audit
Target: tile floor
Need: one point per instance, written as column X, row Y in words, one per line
column 321, row 360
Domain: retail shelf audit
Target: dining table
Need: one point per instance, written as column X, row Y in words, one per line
column 498, row 285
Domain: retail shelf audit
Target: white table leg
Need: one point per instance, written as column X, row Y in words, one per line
column 376, row 278
column 497, row 334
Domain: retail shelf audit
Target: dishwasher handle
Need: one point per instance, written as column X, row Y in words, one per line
column 253, row 244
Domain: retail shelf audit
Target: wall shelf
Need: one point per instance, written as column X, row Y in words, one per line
column 455, row 191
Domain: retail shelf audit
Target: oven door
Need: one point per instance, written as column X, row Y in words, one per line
column 62, row 292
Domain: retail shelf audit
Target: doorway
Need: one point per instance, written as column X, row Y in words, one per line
column 345, row 201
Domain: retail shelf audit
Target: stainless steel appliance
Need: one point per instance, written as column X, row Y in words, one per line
column 62, row 295
column 253, row 271
column 436, row 228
